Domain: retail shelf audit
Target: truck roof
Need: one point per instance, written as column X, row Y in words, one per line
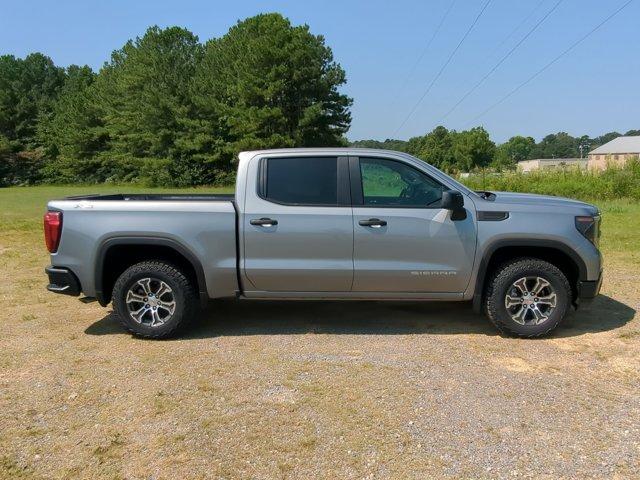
column 323, row 150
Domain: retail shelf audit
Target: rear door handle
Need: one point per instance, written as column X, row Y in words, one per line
column 373, row 222
column 263, row 222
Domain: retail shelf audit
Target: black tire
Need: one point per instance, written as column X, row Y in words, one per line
column 183, row 295
column 502, row 282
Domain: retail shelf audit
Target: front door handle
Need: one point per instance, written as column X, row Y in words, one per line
column 263, row 222
column 373, row 222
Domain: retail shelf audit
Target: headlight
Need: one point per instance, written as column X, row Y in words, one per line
column 589, row 227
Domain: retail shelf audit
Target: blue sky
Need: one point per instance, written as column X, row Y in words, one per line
column 593, row 90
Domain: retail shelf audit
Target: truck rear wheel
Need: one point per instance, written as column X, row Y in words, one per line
column 527, row 297
column 154, row 299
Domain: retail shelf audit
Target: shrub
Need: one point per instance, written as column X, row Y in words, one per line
column 95, row 170
column 612, row 183
column 21, row 168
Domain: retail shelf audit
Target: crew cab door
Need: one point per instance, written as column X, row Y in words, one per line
column 297, row 225
column 403, row 240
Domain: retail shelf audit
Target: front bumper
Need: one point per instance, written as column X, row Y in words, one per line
column 62, row 280
column 588, row 290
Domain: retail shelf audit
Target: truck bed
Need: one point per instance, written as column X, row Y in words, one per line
column 172, row 197
column 203, row 225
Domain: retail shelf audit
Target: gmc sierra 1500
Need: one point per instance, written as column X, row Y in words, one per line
column 327, row 223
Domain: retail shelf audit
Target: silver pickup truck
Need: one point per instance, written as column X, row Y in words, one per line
column 327, row 224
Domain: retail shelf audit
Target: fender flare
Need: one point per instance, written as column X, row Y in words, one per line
column 104, row 247
column 497, row 244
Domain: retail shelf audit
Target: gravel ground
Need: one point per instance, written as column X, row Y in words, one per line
column 315, row 390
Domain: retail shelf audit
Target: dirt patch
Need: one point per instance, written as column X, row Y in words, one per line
column 515, row 364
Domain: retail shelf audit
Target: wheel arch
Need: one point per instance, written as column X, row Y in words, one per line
column 559, row 254
column 116, row 254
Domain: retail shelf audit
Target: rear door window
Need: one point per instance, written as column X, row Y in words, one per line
column 301, row 180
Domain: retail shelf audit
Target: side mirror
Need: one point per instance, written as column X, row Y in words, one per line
column 452, row 200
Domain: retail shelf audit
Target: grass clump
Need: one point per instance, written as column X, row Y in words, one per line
column 10, row 468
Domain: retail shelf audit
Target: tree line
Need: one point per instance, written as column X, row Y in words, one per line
column 167, row 109
column 473, row 149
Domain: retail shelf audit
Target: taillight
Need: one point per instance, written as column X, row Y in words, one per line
column 52, row 230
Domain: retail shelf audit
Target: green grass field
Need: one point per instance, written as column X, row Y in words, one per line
column 22, row 209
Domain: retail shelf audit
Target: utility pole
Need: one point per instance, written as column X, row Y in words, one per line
column 582, row 146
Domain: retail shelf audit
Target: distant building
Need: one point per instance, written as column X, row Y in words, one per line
column 526, row 166
column 616, row 152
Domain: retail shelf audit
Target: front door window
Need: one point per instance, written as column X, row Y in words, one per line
column 387, row 183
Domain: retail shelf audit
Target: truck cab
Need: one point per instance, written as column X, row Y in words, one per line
column 366, row 226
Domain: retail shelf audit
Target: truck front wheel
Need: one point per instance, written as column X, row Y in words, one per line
column 527, row 297
column 154, row 299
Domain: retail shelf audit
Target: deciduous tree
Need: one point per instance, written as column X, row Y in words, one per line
column 514, row 150
column 472, row 149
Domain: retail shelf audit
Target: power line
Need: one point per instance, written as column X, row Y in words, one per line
column 526, row 19
column 426, row 48
column 532, row 77
column 508, row 54
column 433, row 81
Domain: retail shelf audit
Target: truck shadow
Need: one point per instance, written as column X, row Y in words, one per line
column 232, row 318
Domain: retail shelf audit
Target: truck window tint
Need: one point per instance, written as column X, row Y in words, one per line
column 302, row 181
column 393, row 184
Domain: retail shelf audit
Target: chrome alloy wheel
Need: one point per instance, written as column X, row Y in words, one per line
column 530, row 300
column 150, row 302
